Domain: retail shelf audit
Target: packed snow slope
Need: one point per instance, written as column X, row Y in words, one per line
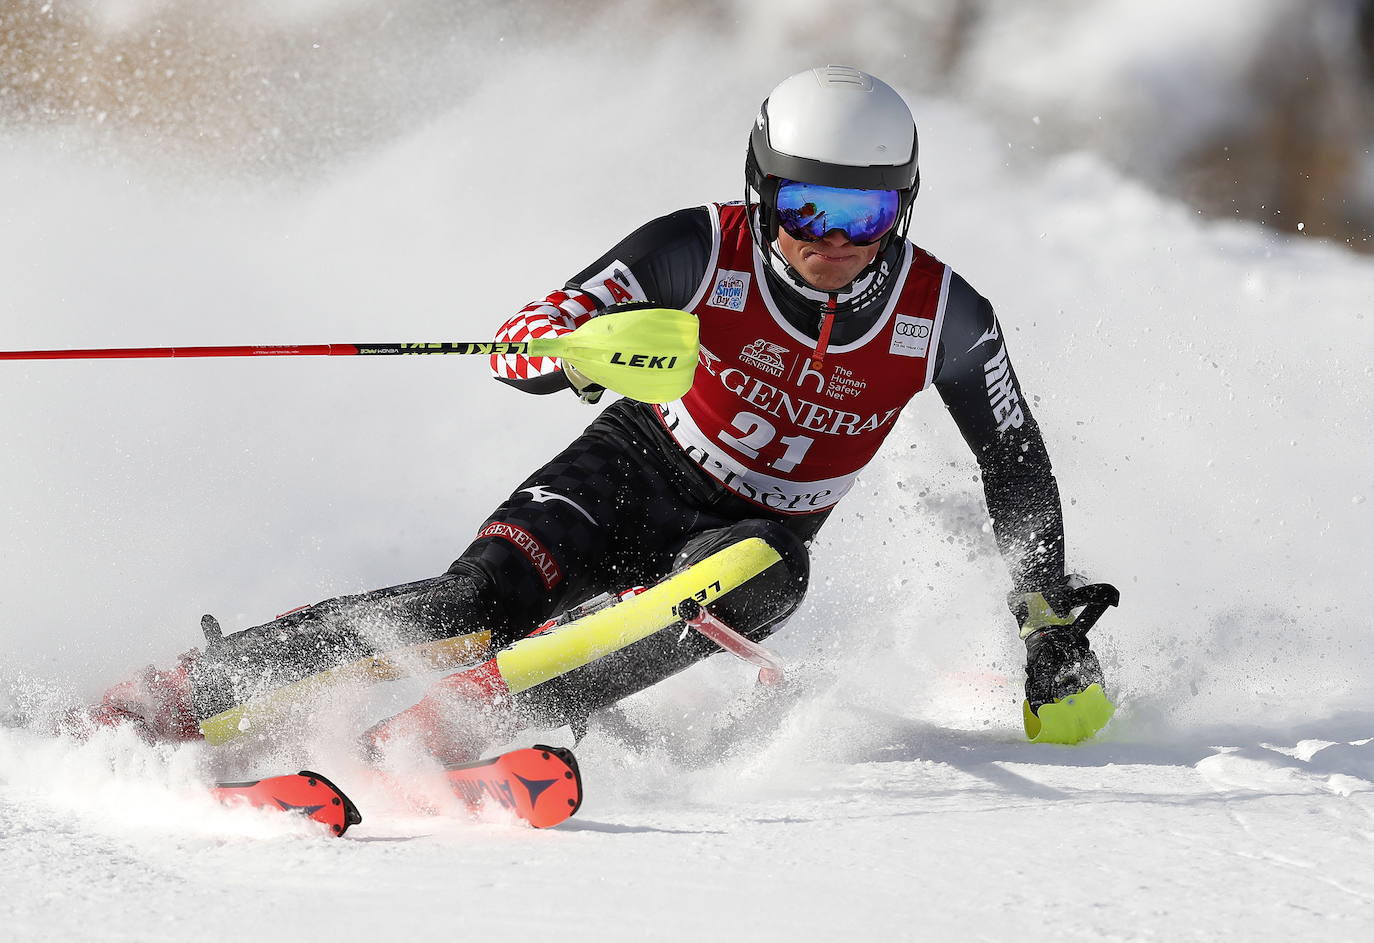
column 1205, row 394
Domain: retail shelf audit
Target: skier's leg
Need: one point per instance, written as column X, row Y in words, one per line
column 526, row 562
column 469, row 710
column 755, row 609
column 341, row 631
column 168, row 705
column 157, row 704
column 546, row 547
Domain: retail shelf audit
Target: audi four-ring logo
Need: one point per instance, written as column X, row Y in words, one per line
column 908, row 329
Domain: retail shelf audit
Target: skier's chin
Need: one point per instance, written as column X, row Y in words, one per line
column 825, row 275
column 827, row 265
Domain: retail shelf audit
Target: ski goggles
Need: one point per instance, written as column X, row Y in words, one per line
column 807, row 211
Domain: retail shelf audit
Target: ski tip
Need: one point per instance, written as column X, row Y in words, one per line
column 572, row 798
column 1070, row 719
column 351, row 814
column 305, row 793
column 540, row 784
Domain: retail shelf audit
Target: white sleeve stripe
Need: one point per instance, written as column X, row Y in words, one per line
column 934, row 347
column 708, row 277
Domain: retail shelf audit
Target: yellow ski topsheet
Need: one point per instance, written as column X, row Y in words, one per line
column 539, row 658
column 445, row 653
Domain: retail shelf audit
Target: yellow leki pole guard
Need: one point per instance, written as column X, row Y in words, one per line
column 648, row 354
column 1070, row 719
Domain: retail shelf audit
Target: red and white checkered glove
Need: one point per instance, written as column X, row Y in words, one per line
column 558, row 314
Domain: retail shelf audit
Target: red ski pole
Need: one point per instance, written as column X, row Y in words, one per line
column 647, row 354
column 270, row 350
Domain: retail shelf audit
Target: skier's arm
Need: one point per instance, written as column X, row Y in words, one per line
column 979, row 387
column 662, row 262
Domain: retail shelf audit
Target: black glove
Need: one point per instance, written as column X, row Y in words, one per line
column 1059, row 661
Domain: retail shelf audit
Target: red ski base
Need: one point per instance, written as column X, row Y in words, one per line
column 304, row 793
column 540, row 784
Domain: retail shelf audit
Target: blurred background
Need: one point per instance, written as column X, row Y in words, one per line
column 1258, row 109
column 1169, row 203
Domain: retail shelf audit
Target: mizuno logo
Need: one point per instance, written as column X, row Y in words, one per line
column 306, row 809
column 541, row 495
column 989, row 335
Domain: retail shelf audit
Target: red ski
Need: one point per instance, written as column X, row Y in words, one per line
column 540, row 784
column 304, row 793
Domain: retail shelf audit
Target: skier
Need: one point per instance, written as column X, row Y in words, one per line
column 819, row 320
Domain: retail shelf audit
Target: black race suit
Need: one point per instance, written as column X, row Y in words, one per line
column 623, row 506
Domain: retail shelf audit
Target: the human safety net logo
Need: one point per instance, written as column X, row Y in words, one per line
column 911, row 336
column 730, row 290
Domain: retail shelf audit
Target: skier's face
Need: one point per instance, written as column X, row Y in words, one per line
column 828, row 264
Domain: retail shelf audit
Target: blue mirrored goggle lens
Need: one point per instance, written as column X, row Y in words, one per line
column 808, row 211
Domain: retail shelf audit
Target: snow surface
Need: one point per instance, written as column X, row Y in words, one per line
column 1204, row 389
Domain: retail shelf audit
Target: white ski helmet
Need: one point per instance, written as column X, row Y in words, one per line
column 835, row 126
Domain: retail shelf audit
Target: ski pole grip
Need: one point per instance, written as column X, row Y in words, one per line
column 1095, row 599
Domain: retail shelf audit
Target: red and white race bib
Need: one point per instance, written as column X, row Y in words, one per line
column 759, row 418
